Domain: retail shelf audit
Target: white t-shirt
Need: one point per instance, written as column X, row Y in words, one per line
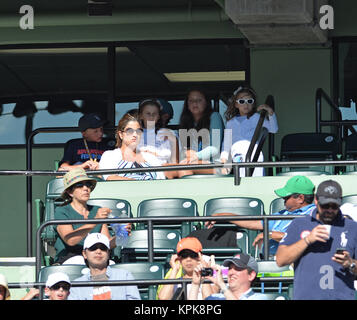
column 113, row 159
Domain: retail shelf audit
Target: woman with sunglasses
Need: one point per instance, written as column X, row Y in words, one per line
column 242, row 118
column 127, row 156
column 183, row 264
column 70, row 238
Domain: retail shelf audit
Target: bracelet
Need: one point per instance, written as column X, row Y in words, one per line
column 307, row 241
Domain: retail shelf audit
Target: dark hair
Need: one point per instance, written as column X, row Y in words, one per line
column 187, row 120
column 232, row 111
column 150, row 102
column 123, row 122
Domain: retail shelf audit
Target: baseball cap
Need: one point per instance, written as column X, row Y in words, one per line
column 90, row 120
column 242, row 260
column 296, row 184
column 189, row 243
column 94, row 238
column 57, row 277
column 329, row 191
column 166, row 107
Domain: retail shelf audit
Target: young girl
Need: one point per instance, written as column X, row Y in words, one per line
column 242, row 118
column 198, row 114
column 160, row 142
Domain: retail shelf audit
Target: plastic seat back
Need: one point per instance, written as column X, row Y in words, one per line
column 309, row 147
column 242, row 206
column 276, row 205
column 165, row 242
column 144, row 271
column 169, row 207
column 73, row 271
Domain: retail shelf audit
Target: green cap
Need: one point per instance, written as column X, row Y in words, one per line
column 296, row 184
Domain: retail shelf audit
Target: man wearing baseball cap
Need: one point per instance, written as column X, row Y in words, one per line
column 183, row 264
column 86, row 151
column 242, row 270
column 96, row 254
column 298, row 195
column 323, row 248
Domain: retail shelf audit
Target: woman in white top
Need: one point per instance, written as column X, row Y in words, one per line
column 242, row 118
column 126, row 155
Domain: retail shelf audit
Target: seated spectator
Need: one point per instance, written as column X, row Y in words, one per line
column 242, row 118
column 127, row 156
column 70, row 238
column 160, row 142
column 298, row 195
column 198, row 116
column 167, row 112
column 57, row 288
column 96, row 254
column 242, row 271
column 4, row 288
column 86, row 152
column 188, row 257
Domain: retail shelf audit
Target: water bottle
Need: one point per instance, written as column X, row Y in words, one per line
column 238, row 157
column 122, row 235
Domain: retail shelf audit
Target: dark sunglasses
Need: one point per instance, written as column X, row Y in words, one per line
column 64, row 285
column 243, row 101
column 188, row 254
column 332, row 206
column 82, row 184
column 96, row 246
column 130, row 131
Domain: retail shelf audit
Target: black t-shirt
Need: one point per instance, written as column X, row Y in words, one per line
column 75, row 151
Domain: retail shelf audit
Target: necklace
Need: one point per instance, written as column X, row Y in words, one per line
column 89, row 154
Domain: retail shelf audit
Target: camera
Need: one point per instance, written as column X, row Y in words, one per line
column 206, row 272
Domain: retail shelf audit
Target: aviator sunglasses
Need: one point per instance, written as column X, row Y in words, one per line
column 130, row 131
column 243, row 101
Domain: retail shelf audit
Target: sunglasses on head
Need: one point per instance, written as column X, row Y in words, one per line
column 188, row 254
column 243, row 101
column 130, row 131
column 82, row 184
column 96, row 246
column 332, row 206
column 64, row 285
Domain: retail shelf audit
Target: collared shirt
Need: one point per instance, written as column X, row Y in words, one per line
column 116, row 292
column 282, row 225
column 317, row 276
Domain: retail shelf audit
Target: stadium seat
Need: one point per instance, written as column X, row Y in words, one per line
column 309, row 147
column 165, row 242
column 237, row 206
column 351, row 152
column 269, row 268
column 73, row 271
column 169, row 207
column 276, row 205
column 144, row 271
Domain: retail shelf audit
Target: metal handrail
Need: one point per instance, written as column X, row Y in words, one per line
column 151, row 220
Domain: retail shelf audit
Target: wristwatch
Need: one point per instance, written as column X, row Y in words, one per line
column 352, row 267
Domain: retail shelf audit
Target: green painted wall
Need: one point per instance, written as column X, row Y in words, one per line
column 292, row 77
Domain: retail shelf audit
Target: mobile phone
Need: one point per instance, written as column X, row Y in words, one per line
column 340, row 250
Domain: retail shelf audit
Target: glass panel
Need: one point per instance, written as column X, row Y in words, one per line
column 12, row 130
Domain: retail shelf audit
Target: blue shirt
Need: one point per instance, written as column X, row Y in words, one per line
column 282, row 225
column 117, row 292
column 317, row 276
